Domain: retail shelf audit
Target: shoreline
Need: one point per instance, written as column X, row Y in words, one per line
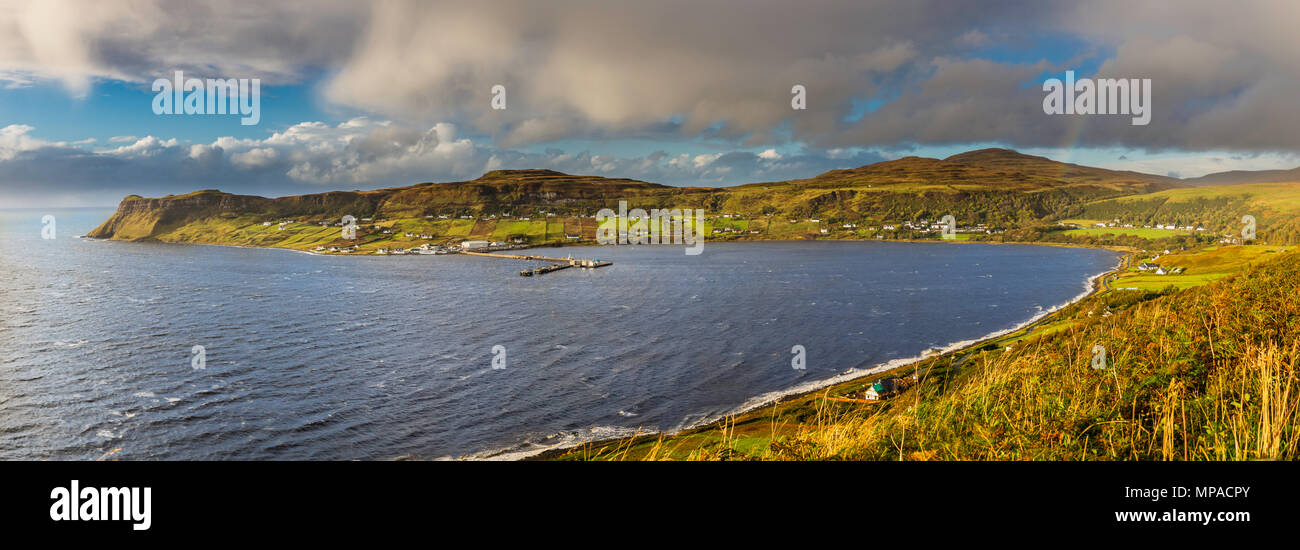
column 1093, row 285
column 1119, row 249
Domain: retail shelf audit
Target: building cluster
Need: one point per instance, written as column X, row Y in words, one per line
column 887, row 387
column 1152, row 267
column 1166, row 226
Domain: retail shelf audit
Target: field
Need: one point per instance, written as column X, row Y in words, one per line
column 1201, row 266
column 1134, row 231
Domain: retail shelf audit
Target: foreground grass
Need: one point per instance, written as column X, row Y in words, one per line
column 1207, row 373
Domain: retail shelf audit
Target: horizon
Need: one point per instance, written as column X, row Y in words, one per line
column 101, row 206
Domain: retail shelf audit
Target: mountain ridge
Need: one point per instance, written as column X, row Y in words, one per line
column 1242, row 177
column 993, row 188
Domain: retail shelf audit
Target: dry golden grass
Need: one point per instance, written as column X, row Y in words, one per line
column 1205, row 374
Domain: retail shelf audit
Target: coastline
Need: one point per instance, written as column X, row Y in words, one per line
column 1092, row 285
column 589, row 244
column 603, row 435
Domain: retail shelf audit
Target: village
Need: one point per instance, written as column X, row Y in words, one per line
column 1121, row 225
column 455, row 232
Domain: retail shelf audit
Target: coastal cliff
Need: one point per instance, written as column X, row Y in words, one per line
column 987, row 189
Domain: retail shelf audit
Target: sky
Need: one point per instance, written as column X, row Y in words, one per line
column 365, row 95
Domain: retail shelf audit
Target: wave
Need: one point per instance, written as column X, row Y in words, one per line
column 597, row 434
column 564, row 440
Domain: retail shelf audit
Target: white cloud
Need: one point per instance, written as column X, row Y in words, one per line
column 14, row 140
column 143, row 147
column 704, row 160
column 356, row 154
column 255, row 158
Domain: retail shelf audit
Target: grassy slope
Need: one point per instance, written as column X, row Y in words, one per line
column 1219, row 208
column 1200, row 266
column 1208, row 373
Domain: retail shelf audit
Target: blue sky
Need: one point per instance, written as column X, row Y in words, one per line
column 357, row 95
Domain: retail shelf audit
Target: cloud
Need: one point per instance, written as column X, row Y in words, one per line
column 974, row 38
column 253, row 158
column 674, row 67
column 14, row 140
column 629, row 68
column 76, row 42
column 1195, row 164
column 1224, row 77
column 360, row 153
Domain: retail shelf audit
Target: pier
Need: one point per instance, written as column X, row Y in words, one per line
column 543, row 269
column 560, row 263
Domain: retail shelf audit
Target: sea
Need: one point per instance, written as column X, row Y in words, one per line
column 154, row 351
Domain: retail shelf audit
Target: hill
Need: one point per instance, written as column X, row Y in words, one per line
column 1275, row 206
column 1239, row 177
column 990, row 189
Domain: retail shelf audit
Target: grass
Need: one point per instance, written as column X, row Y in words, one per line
column 1134, row 231
column 1207, row 373
column 1276, row 207
column 1201, row 266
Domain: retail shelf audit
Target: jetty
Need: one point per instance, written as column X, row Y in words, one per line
column 543, row 270
column 558, row 263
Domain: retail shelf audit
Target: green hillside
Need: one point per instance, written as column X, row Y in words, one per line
column 987, row 192
column 1275, row 206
